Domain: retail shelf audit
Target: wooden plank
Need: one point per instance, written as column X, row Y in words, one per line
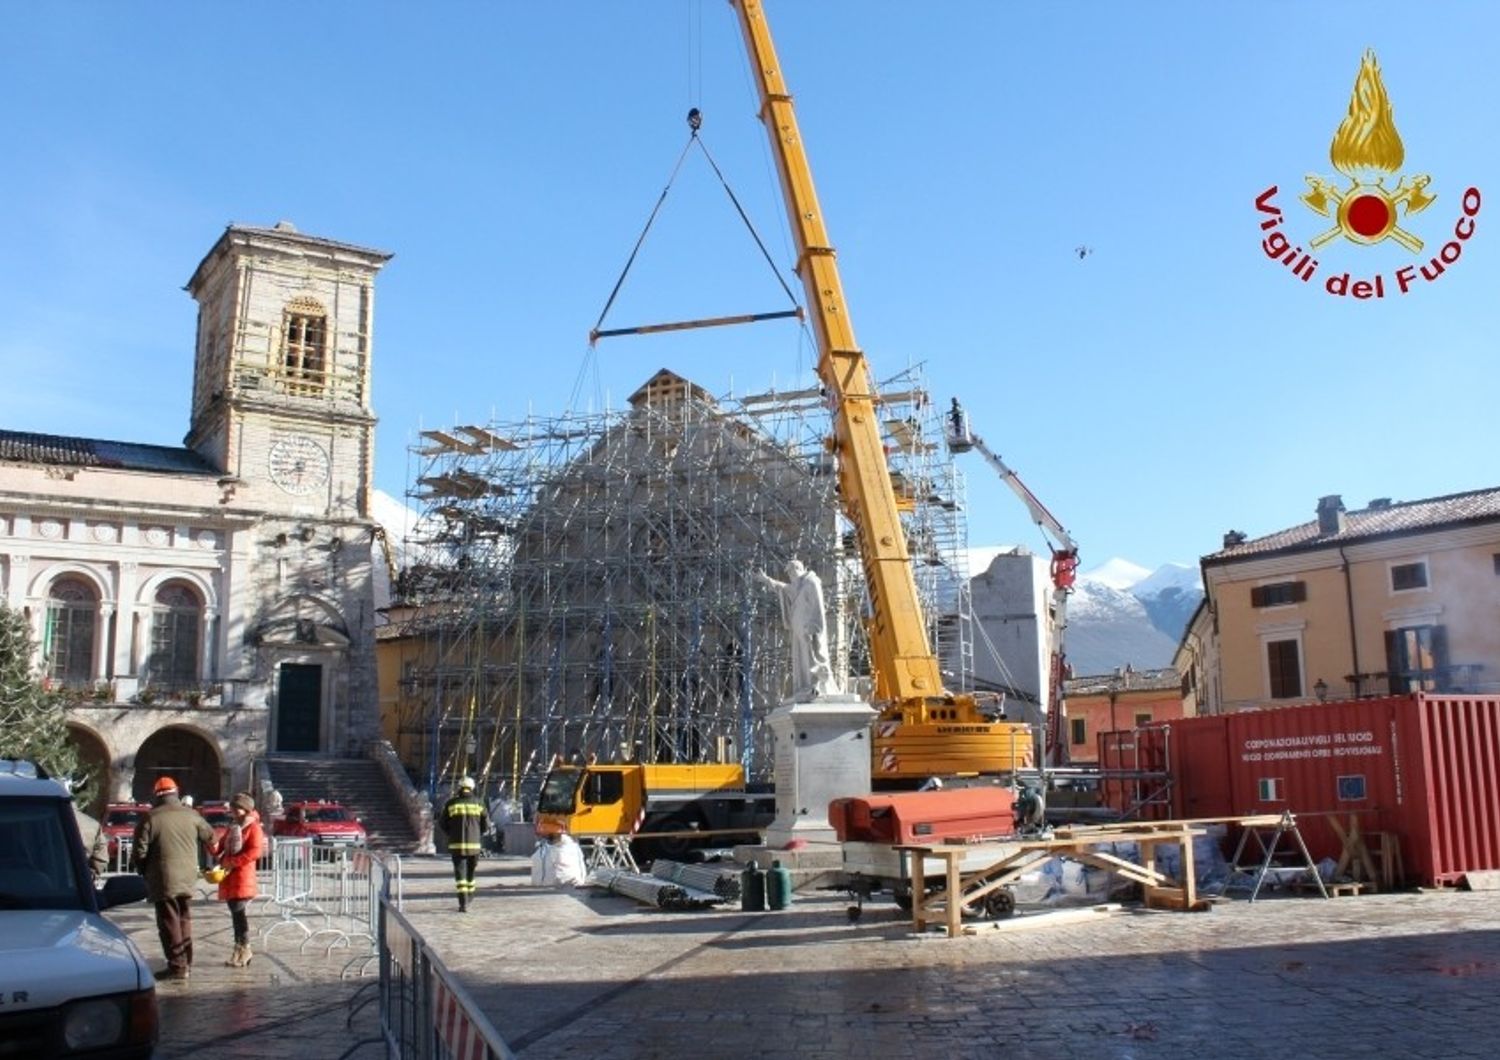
column 1053, row 918
column 1134, row 836
column 487, row 439
column 1129, row 869
column 1189, row 875
column 918, row 861
column 1174, row 899
column 447, row 442
column 954, row 888
column 980, row 885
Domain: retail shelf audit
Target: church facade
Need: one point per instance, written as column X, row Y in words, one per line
column 205, row 605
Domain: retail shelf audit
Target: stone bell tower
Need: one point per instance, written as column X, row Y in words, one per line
column 281, row 406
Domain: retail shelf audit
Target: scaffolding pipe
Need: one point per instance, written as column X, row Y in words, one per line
column 612, row 553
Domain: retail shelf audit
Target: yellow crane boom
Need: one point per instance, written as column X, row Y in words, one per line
column 924, row 730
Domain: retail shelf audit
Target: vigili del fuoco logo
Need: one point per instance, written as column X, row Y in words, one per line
column 1367, row 150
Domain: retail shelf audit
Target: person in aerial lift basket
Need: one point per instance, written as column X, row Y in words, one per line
column 464, row 823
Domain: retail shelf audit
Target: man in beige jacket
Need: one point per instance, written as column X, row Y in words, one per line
column 167, row 843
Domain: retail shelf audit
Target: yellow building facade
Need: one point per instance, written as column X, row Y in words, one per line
column 1388, row 599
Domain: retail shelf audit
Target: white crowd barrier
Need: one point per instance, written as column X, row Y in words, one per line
column 121, row 855
column 328, row 896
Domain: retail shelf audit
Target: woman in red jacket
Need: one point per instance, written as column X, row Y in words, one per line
column 242, row 846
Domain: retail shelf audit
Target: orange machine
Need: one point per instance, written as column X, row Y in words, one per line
column 923, row 817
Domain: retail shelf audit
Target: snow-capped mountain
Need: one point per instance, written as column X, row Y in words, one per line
column 1119, row 613
column 1117, row 574
column 1122, row 613
column 1170, row 594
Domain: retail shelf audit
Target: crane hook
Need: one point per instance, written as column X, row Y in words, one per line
column 695, row 120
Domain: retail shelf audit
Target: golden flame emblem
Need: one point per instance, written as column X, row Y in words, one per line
column 1367, row 139
column 1367, row 149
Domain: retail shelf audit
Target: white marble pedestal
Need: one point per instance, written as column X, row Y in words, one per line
column 822, row 752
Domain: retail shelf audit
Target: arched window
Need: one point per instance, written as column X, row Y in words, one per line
column 68, row 639
column 304, row 347
column 175, row 621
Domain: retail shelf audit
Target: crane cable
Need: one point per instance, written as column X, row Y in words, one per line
column 695, row 122
column 642, row 238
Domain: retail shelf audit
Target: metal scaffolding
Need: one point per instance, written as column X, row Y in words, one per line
column 584, row 583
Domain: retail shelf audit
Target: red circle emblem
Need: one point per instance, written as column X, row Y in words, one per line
column 1369, row 215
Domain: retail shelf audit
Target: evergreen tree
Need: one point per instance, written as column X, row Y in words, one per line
column 32, row 722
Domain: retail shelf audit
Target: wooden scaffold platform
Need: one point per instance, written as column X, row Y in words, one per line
column 977, row 888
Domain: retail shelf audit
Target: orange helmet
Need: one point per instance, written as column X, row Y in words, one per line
column 165, row 786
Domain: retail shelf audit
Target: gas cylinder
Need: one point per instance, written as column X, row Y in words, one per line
column 778, row 886
column 753, row 889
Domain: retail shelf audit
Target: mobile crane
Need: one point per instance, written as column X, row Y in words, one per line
column 1064, row 571
column 923, row 730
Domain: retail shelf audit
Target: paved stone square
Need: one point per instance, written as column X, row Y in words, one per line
column 290, row 1002
column 583, row 974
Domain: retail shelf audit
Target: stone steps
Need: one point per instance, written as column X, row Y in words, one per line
column 356, row 783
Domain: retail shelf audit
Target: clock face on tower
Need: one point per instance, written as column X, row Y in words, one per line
column 299, row 465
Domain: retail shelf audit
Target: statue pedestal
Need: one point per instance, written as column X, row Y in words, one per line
column 822, row 752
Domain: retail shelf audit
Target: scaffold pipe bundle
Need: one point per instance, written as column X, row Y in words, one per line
column 661, row 893
column 722, row 882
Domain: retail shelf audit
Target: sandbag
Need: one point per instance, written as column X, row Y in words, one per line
column 570, row 871
column 543, row 873
column 558, row 863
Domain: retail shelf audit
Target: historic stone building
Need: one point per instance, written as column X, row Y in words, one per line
column 209, row 604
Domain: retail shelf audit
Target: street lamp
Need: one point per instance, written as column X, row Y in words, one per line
column 1320, row 689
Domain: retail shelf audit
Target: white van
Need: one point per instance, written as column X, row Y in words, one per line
column 71, row 983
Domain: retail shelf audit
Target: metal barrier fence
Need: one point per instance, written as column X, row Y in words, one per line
column 121, row 853
column 328, row 897
column 425, row 1013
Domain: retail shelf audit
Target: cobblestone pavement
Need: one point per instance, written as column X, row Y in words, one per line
column 582, row 974
column 287, row 1003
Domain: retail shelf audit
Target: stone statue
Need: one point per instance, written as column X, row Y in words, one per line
column 801, row 599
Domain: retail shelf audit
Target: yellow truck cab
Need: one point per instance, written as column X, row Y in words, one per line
column 669, row 808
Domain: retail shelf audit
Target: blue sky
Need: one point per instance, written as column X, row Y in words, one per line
column 1172, row 385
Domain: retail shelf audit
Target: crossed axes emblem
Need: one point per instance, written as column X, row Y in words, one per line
column 1328, row 200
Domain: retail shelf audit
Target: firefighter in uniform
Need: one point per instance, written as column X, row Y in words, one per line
column 464, row 822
